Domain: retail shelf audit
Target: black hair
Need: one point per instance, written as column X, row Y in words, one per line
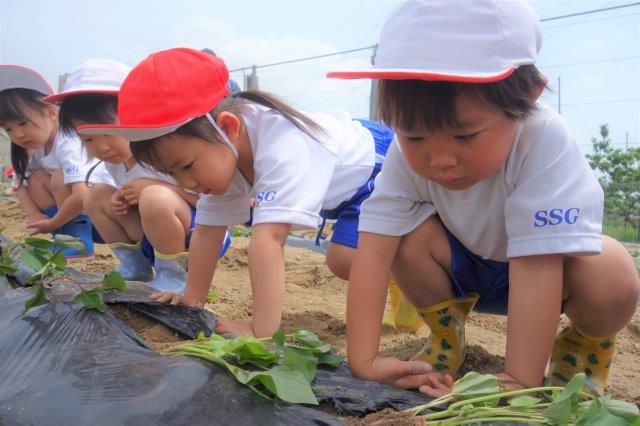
column 90, row 108
column 419, row 104
column 16, row 105
column 145, row 151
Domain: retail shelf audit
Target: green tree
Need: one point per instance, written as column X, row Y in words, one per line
column 619, row 175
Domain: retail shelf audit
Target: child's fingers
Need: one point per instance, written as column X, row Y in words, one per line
column 163, row 297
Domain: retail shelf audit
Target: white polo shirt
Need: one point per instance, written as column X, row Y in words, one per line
column 295, row 176
column 544, row 200
column 68, row 154
column 121, row 175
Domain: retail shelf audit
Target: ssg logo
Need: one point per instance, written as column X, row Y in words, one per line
column 555, row 217
column 71, row 170
column 265, row 196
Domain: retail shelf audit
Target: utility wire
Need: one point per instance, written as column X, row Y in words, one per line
column 588, row 12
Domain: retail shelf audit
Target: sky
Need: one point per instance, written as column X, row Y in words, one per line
column 596, row 56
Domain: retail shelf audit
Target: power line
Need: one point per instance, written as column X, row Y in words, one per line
column 608, row 18
column 588, row 12
column 305, row 59
column 613, row 101
column 599, row 61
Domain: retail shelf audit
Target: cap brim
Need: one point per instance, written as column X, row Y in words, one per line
column 132, row 133
column 407, row 74
column 18, row 77
column 58, row 97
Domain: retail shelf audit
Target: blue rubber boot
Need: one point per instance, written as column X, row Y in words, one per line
column 171, row 272
column 81, row 228
column 134, row 265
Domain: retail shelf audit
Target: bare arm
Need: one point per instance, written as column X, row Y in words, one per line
column 366, row 298
column 203, row 260
column 29, row 206
column 71, row 207
column 535, row 297
column 266, row 269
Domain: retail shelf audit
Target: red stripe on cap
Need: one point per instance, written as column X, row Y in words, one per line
column 427, row 76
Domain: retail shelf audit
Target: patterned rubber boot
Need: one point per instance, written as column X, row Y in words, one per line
column 575, row 352
column 446, row 347
column 171, row 272
column 402, row 314
column 81, row 228
column 134, row 265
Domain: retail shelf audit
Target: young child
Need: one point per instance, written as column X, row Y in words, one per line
column 485, row 200
column 145, row 216
column 176, row 106
column 50, row 168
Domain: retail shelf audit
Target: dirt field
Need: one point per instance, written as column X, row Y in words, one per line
column 315, row 300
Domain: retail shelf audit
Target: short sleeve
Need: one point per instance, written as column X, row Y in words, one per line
column 292, row 176
column 557, row 203
column 72, row 159
column 396, row 206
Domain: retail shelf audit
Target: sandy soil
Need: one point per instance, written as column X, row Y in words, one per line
column 315, row 300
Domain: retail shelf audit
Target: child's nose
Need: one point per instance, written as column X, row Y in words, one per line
column 443, row 160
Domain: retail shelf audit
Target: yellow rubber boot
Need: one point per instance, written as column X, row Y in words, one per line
column 402, row 315
column 446, row 347
column 575, row 352
column 171, row 272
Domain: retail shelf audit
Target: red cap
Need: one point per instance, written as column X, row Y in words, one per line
column 163, row 92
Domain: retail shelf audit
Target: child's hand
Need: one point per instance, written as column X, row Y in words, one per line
column 176, row 299
column 119, row 204
column 437, row 385
column 132, row 190
column 42, row 226
column 239, row 328
column 36, row 217
column 401, row 374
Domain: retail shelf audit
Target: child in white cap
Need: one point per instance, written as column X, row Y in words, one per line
column 50, row 167
column 145, row 218
column 178, row 112
column 484, row 200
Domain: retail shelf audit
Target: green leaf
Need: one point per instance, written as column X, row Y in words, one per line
column 33, row 260
column 301, row 360
column 566, row 403
column 59, row 261
column 7, row 270
column 113, row 281
column 278, row 338
column 212, row 296
column 474, row 384
column 37, row 299
column 307, row 338
column 248, row 349
column 39, row 243
column 91, row 299
column 524, row 401
column 67, row 241
column 330, row 359
column 287, row 384
column 626, row 410
column 597, row 414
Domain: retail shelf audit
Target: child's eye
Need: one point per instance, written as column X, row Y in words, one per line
column 414, row 139
column 87, row 140
column 467, row 137
column 23, row 123
column 188, row 166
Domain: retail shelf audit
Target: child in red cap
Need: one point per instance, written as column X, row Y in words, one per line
column 176, row 109
column 145, row 217
column 485, row 200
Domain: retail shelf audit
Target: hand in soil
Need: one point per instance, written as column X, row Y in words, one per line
column 176, row 299
column 438, row 385
column 238, row 328
column 402, row 374
column 43, row 226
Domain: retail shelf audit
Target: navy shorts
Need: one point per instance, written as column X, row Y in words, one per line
column 472, row 273
column 147, row 248
column 347, row 214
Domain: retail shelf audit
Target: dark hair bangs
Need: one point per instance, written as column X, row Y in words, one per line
column 93, row 108
column 16, row 103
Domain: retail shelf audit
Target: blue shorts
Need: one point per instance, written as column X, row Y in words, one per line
column 51, row 211
column 147, row 248
column 472, row 273
column 347, row 214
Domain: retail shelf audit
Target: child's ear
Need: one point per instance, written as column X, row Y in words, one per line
column 51, row 112
column 230, row 123
column 537, row 92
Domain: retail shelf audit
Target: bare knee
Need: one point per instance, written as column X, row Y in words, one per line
column 97, row 197
column 158, row 201
column 339, row 259
column 428, row 240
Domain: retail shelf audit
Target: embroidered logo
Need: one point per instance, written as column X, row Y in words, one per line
column 553, row 217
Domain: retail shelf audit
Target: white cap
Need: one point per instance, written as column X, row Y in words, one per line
column 19, row 77
column 473, row 41
column 103, row 76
